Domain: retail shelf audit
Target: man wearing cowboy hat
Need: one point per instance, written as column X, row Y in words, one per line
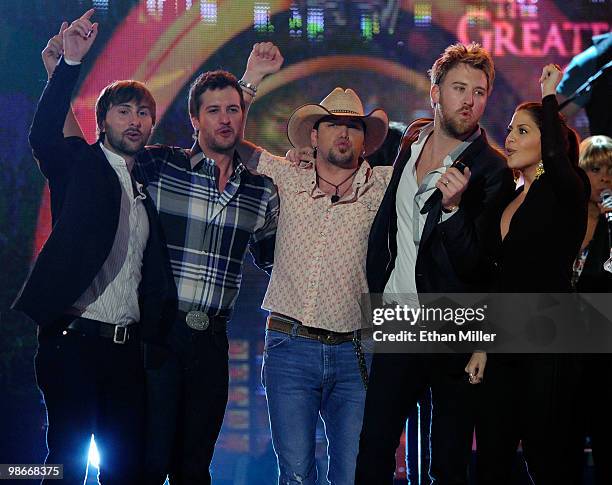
column 313, row 363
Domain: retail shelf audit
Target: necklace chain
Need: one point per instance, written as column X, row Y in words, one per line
column 337, row 187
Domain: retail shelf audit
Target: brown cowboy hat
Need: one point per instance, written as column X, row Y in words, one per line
column 340, row 102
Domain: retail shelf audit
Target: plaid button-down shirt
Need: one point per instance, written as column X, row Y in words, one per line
column 208, row 232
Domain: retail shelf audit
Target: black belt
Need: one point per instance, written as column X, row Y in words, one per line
column 324, row 336
column 200, row 321
column 119, row 334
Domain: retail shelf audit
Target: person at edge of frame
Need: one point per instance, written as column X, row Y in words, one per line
column 187, row 389
column 101, row 287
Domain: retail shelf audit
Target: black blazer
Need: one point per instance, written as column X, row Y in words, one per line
column 457, row 255
column 85, row 204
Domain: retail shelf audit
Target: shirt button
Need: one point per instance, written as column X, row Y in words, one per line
column 322, row 234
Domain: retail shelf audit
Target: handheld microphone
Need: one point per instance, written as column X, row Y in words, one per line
column 437, row 195
column 606, row 201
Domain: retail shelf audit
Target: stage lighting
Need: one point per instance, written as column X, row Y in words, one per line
column 94, row 456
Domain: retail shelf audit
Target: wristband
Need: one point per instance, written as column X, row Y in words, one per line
column 248, row 86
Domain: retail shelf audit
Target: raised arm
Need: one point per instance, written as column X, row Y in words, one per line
column 50, row 56
column 555, row 157
column 265, row 59
column 46, row 132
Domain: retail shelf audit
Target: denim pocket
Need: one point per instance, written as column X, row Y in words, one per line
column 274, row 339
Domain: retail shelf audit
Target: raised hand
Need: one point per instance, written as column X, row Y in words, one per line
column 54, row 49
column 301, row 157
column 265, row 59
column 79, row 37
column 550, row 79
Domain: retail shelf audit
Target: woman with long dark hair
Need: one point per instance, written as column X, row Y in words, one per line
column 526, row 397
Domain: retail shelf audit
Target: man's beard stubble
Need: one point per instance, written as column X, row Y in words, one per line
column 453, row 126
column 227, row 147
column 121, row 144
column 341, row 160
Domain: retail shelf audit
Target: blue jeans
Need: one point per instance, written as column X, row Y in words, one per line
column 304, row 378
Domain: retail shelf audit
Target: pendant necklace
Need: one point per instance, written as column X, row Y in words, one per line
column 336, row 197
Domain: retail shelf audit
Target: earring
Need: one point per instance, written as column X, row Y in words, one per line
column 539, row 170
column 314, row 152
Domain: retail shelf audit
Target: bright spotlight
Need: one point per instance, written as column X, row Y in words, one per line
column 94, row 456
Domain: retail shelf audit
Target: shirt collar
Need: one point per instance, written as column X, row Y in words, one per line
column 114, row 159
column 309, row 180
column 453, row 155
column 197, row 156
column 119, row 162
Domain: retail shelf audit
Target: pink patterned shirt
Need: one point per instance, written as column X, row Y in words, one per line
column 319, row 273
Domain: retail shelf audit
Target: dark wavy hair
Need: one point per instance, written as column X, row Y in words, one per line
column 211, row 80
column 570, row 137
column 121, row 92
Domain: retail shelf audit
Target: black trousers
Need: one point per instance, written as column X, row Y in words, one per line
column 534, row 399
column 396, row 383
column 92, row 385
column 419, row 422
column 596, row 406
column 187, row 397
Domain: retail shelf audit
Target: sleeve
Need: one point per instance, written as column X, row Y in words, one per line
column 50, row 148
column 566, row 181
column 471, row 237
column 261, row 161
column 263, row 241
column 385, row 172
column 150, row 162
column 576, row 74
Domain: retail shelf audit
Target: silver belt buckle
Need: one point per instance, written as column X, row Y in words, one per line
column 197, row 320
column 120, row 339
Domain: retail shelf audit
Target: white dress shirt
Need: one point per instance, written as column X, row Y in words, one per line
column 410, row 199
column 112, row 296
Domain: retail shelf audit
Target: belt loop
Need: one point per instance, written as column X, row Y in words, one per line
column 294, row 330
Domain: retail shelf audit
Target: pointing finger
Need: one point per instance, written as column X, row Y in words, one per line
column 87, row 15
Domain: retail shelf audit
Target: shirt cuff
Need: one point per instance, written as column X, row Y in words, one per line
column 445, row 216
column 71, row 62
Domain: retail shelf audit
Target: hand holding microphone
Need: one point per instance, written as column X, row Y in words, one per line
column 605, row 203
column 606, row 207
